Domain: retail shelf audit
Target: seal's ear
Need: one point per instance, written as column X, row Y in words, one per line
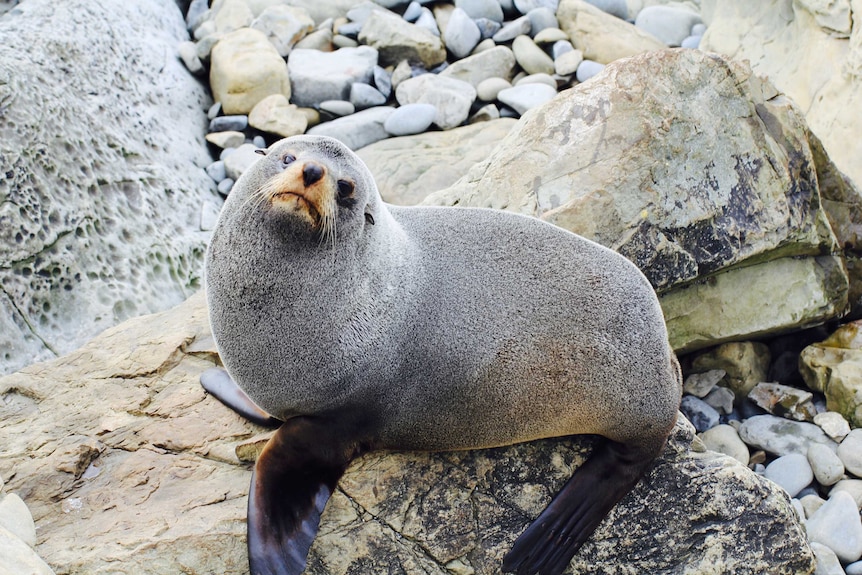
column 260, row 151
column 369, row 218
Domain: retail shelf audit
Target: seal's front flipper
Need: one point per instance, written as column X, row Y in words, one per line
column 293, row 478
column 550, row 542
column 220, row 385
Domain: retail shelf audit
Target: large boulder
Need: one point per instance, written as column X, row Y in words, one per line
column 693, row 168
column 102, row 189
column 124, row 460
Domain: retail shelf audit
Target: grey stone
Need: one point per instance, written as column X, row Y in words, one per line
column 318, row 76
column 670, row 24
column 550, row 35
column 216, row 171
column 587, row 69
column 238, row 162
column 197, row 11
column 396, row 40
column 383, row 81
column 827, row 562
column 412, row 12
column 833, row 424
column 101, row 179
column 498, row 62
column 853, row 568
column 526, row 96
column 513, row 29
column 562, row 47
column 16, row 518
column 356, row 130
column 19, row 558
column 698, row 29
column 618, row 8
column 350, row 29
column 702, row 415
column 700, row 384
column 284, row 26
column 410, row 119
column 337, row 107
column 487, row 90
column 690, row 42
column 340, row 41
column 319, row 40
column 545, row 79
column 541, row 19
column 721, row 398
column 236, row 123
column 189, row 55
column 450, row 96
column 461, row 34
column 427, row 22
column 811, row 503
column 525, row 6
column 225, row 186
column 476, row 9
column 850, row 452
column 837, row 525
column 363, row 96
column 487, row 28
column 826, row 465
column 214, row 110
column 781, row 436
column 792, row 472
column 853, row 487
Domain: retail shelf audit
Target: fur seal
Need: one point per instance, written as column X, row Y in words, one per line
column 365, row 326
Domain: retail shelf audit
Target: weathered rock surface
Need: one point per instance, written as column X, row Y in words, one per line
column 124, row 461
column 834, row 368
column 101, row 180
column 409, row 168
column 692, row 167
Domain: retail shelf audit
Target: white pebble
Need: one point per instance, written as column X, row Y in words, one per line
column 588, row 69
column 838, row 526
column 854, row 568
column 724, row 439
column 792, row 472
column 488, row 89
column 827, row 466
column 833, row 424
column 16, row 518
column 827, row 561
column 851, row 486
column 527, row 96
column 850, row 452
column 410, row 119
column 811, row 503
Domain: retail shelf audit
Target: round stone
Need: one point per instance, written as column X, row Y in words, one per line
column 546, row 79
column 531, row 58
column 781, row 436
column 811, row 503
column 699, row 413
column 792, row 472
column 827, row 466
column 216, row 171
column 850, row 452
column 488, row 89
column 852, row 487
column 588, row 69
column 235, row 123
column 224, row 187
column 461, row 34
column 475, row 9
column 568, row 62
column 724, row 439
column 527, row 96
column 827, row 561
column 410, row 119
column 550, row 35
column 541, row 19
column 698, row 29
column 363, row 96
column 837, row 525
column 337, row 107
column 226, row 140
column 667, row 23
column 487, row 28
column 412, row 12
column 691, row 42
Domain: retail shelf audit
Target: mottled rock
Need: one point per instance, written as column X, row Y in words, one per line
column 783, row 400
column 662, row 214
column 450, row 96
column 745, row 364
column 600, row 36
column 834, row 367
column 166, row 455
column 245, row 69
column 320, row 76
column 356, row 130
column 702, row 415
column 396, row 39
column 700, row 384
column 101, row 180
column 781, row 436
column 833, row 424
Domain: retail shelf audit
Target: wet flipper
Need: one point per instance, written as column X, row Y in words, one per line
column 549, row 543
column 220, row 385
column 292, row 481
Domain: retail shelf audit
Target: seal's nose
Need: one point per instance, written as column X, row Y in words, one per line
column 311, row 173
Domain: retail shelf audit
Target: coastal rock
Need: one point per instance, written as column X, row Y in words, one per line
column 284, row 26
column 245, row 69
column 275, row 115
column 601, row 37
column 409, row 168
column 356, row 130
column 101, row 180
column 161, row 457
column 451, row 97
column 670, row 24
column 781, row 436
column 834, row 368
column 498, row 62
column 741, row 187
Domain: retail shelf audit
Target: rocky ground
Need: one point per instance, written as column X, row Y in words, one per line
column 429, row 94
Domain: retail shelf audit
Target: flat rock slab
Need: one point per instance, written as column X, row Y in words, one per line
column 126, row 464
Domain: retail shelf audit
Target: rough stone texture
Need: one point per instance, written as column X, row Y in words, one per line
column 397, row 40
column 452, row 97
column 497, row 62
column 600, row 36
column 410, row 167
column 804, row 48
column 834, row 368
column 320, row 76
column 717, row 171
column 101, row 179
column 246, row 68
column 127, row 464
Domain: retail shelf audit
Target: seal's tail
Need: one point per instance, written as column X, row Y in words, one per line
column 548, row 545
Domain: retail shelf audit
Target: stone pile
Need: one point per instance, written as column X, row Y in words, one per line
column 396, row 68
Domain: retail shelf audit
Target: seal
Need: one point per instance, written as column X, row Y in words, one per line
column 364, row 326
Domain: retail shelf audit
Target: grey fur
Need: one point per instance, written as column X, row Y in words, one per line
column 453, row 328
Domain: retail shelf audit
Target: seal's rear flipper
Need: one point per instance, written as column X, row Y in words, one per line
column 550, row 542
column 293, row 478
column 220, row 385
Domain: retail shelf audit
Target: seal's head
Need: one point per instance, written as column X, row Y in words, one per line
column 309, row 186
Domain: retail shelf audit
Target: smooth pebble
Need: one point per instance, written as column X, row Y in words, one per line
column 462, row 34
column 527, row 96
column 792, row 472
column 827, row 466
column 850, row 452
column 588, row 69
column 838, row 526
column 512, row 30
column 702, row 415
column 337, row 107
column 363, row 96
column 488, row 89
column 234, row 123
column 724, row 439
column 827, row 561
column 410, row 119
column 216, row 171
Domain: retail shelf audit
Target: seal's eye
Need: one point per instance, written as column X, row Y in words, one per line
column 287, row 159
column 345, row 189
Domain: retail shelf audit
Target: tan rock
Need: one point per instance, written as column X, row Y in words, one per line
column 497, row 62
column 18, row 558
column 245, row 69
column 745, row 364
column 167, row 494
column 227, row 139
column 284, row 26
column 275, row 115
column 834, row 368
column 600, row 36
column 230, row 15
